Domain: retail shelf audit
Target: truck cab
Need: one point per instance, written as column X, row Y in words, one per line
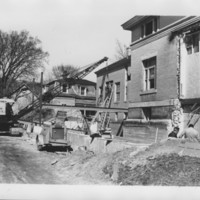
column 6, row 116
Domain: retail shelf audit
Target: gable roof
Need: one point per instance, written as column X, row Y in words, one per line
column 72, row 81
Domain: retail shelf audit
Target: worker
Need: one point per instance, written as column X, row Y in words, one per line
column 174, row 133
column 190, row 133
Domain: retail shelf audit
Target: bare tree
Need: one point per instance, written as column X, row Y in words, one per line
column 121, row 50
column 20, row 57
column 64, row 71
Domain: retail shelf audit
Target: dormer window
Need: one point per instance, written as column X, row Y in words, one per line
column 149, row 28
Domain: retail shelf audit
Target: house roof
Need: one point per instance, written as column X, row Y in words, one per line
column 125, row 62
column 72, row 81
column 128, row 25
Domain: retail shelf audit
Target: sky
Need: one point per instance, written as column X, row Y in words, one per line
column 80, row 32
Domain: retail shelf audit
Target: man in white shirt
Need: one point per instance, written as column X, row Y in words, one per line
column 190, row 133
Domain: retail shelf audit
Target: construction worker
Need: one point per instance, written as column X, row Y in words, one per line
column 174, row 133
column 190, row 133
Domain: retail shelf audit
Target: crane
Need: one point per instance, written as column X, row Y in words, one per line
column 55, row 91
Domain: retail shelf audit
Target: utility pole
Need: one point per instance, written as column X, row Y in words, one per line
column 33, row 91
column 41, row 85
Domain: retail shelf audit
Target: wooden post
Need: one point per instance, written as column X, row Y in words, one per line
column 41, row 84
column 156, row 138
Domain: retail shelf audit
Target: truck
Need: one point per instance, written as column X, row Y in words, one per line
column 54, row 131
column 8, row 126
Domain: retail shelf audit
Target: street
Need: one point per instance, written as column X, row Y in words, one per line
column 21, row 162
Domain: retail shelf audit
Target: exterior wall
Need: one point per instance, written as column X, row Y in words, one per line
column 166, row 80
column 116, row 76
column 162, row 21
column 136, row 33
column 146, row 132
column 190, row 73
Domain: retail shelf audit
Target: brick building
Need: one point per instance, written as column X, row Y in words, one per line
column 163, row 90
column 116, row 76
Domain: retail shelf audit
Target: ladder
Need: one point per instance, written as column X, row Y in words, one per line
column 55, row 91
column 101, row 94
column 105, row 118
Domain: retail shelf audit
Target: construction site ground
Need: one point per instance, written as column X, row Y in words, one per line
column 168, row 163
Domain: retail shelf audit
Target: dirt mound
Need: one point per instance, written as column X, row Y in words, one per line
column 172, row 169
column 161, row 164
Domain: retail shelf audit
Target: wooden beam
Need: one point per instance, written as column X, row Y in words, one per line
column 100, row 109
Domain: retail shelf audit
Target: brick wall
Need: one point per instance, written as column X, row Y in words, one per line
column 166, row 80
column 116, row 76
column 190, row 73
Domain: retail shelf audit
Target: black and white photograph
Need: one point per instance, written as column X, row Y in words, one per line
column 99, row 99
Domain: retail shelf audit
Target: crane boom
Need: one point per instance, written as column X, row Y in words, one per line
column 55, row 91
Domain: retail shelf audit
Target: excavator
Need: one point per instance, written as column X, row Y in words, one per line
column 55, row 91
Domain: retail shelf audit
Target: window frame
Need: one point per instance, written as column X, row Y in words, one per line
column 147, row 75
column 154, row 27
column 66, row 86
column 193, row 46
column 117, row 91
column 85, row 93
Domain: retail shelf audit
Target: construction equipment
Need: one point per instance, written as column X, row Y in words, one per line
column 55, row 91
column 7, row 124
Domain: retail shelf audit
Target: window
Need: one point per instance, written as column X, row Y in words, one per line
column 116, row 116
column 65, row 88
column 192, row 43
column 117, row 91
column 149, row 73
column 83, row 91
column 149, row 27
column 196, row 43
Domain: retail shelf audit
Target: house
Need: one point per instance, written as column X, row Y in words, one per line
column 115, row 77
column 165, row 75
column 24, row 95
column 74, row 92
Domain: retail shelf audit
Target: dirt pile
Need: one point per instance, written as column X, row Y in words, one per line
column 161, row 164
column 172, row 169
